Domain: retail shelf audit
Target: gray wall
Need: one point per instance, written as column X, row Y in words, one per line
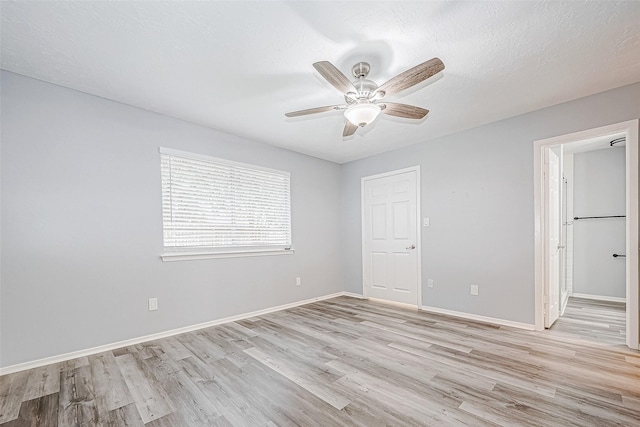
column 477, row 189
column 82, row 229
column 82, row 232
column 599, row 189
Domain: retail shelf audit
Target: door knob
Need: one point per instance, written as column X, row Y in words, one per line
column 411, row 247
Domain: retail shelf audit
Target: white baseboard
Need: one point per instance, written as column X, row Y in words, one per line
column 599, row 297
column 492, row 320
column 107, row 347
column 397, row 304
column 353, row 295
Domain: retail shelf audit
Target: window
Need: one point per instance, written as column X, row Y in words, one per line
column 217, row 207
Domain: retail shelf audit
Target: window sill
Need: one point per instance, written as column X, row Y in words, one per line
column 192, row 256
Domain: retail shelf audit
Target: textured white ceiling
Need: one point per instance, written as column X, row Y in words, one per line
column 239, row 66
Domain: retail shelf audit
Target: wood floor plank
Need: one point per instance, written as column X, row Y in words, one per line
column 174, row 348
column 597, row 409
column 414, row 404
column 189, row 401
column 365, row 413
column 75, row 363
column 386, row 361
column 109, row 386
column 271, row 394
column 77, row 401
column 173, row 420
column 12, row 389
column 148, row 395
column 42, row 381
column 228, row 391
column 631, row 403
column 201, row 346
column 500, row 416
column 429, row 338
column 38, row 412
column 124, row 350
column 548, row 412
column 308, row 382
column 124, row 416
column 347, row 361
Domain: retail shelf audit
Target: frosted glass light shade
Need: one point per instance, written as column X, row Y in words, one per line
column 362, row 114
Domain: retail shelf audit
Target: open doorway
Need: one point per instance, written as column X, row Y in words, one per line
column 589, row 223
column 586, row 206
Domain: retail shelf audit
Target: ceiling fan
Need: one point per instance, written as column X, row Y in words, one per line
column 364, row 97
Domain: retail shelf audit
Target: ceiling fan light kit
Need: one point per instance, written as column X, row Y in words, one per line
column 362, row 114
column 362, row 95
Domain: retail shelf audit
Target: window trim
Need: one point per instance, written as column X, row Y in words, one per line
column 191, row 256
column 188, row 254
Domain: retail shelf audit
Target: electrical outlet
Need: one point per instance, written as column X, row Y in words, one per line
column 430, row 283
column 474, row 289
column 298, row 281
column 153, row 304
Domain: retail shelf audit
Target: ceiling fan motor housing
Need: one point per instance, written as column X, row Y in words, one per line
column 364, row 86
column 361, row 69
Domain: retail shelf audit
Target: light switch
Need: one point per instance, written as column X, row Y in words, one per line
column 425, row 222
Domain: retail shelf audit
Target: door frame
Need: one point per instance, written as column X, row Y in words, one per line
column 547, row 151
column 631, row 130
column 415, row 169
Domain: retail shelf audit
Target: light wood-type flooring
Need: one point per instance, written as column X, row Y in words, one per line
column 598, row 321
column 338, row 362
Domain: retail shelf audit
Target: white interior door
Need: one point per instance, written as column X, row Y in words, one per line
column 390, row 237
column 553, row 226
column 565, row 264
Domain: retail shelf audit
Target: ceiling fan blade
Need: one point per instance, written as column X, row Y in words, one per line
column 334, row 76
column 412, row 77
column 315, row 110
column 404, row 110
column 349, row 128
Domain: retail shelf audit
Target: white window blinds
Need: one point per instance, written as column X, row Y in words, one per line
column 211, row 204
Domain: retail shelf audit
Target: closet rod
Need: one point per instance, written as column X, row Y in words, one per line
column 594, row 217
column 615, row 141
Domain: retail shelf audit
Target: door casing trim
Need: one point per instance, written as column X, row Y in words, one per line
column 415, row 169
